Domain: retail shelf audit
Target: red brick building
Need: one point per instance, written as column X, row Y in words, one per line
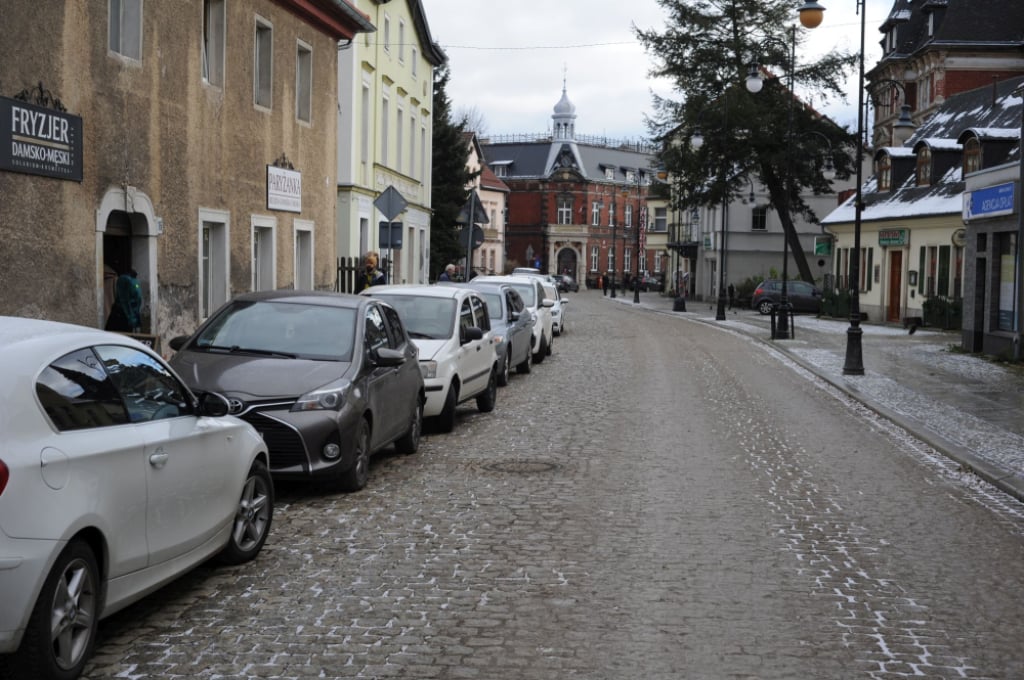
column 575, row 201
column 937, row 48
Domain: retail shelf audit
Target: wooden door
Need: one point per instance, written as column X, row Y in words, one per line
column 895, row 284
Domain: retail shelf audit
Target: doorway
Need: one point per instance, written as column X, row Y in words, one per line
column 567, row 263
column 895, row 285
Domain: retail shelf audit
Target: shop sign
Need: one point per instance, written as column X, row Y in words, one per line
column 38, row 141
column 823, row 246
column 284, row 189
column 892, row 237
column 989, row 202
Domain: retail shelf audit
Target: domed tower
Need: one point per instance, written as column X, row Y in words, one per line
column 564, row 118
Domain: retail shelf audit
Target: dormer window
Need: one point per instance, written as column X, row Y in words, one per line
column 884, row 171
column 972, row 155
column 924, row 166
column 609, row 173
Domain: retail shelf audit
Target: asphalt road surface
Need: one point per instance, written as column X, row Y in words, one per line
column 659, row 499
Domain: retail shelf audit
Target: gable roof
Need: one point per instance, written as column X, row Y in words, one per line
column 970, row 24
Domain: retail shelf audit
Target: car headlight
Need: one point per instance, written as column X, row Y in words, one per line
column 327, row 398
column 428, row 369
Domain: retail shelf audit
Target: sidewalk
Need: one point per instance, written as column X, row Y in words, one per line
column 966, row 407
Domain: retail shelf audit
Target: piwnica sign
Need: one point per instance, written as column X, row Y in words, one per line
column 40, row 141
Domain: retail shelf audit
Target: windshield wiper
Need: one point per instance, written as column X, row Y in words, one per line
column 236, row 349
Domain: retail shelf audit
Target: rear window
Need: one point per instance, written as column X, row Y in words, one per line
column 424, row 317
column 318, row 332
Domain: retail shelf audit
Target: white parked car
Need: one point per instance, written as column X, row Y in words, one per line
column 114, row 479
column 450, row 327
column 531, row 289
column 557, row 310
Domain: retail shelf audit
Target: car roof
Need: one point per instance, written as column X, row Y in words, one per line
column 29, row 342
column 518, row 278
column 419, row 289
column 309, row 297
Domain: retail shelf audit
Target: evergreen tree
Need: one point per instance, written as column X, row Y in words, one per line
column 450, row 178
column 772, row 136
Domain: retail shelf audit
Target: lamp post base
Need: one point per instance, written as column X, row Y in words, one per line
column 854, row 355
column 782, row 330
column 720, row 314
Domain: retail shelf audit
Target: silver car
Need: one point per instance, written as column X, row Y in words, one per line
column 512, row 325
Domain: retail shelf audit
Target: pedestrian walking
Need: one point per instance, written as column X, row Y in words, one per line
column 732, row 295
column 603, row 282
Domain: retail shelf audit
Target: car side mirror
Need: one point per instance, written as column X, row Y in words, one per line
column 548, row 302
column 213, row 405
column 386, row 356
column 470, row 334
column 178, row 342
column 513, row 316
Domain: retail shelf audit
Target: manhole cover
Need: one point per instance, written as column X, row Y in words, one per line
column 522, row 467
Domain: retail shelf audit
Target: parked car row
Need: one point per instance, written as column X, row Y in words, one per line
column 103, row 438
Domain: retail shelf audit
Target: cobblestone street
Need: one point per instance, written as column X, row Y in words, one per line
column 658, row 500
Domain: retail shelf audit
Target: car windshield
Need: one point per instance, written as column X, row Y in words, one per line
column 428, row 318
column 282, row 329
column 528, row 292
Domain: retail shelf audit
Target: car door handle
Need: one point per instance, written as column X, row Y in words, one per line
column 159, row 458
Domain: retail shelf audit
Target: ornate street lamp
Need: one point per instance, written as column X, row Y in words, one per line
column 811, row 14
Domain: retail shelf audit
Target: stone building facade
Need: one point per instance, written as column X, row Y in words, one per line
column 207, row 153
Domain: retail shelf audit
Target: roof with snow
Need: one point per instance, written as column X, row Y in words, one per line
column 996, row 108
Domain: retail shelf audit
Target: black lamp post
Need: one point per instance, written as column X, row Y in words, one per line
column 697, row 141
column 811, row 14
column 636, row 235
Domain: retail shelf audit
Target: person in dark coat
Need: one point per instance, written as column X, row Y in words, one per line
column 448, row 274
column 371, row 275
column 126, row 312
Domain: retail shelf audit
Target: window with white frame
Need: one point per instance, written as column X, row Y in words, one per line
column 264, row 253
column 304, row 82
column 385, row 114
column 611, row 258
column 399, row 138
column 364, row 141
column 595, row 256
column 759, row 218
column 609, row 173
column 213, row 42
column 213, row 260
column 660, row 220
column 124, row 28
column 401, row 41
column 263, row 61
column 564, row 210
column 595, row 213
column 415, row 58
column 412, row 145
column 423, row 154
column 387, row 33
column 304, row 255
column 501, row 171
column 629, row 216
column 627, row 256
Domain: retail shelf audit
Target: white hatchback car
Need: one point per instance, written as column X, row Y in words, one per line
column 114, row 479
column 531, row 288
column 552, row 293
column 450, row 327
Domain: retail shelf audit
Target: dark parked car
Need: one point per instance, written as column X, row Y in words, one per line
column 802, row 296
column 651, row 282
column 327, row 378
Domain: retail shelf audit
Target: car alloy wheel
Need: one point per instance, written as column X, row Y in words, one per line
column 62, row 629
column 355, row 478
column 253, row 517
column 485, row 400
column 506, row 368
column 409, row 443
column 527, row 364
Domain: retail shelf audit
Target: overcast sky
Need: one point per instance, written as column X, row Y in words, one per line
column 508, row 59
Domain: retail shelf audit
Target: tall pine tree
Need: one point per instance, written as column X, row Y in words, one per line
column 450, row 178
column 705, row 50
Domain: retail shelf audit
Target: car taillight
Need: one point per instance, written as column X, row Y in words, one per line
column 5, row 474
